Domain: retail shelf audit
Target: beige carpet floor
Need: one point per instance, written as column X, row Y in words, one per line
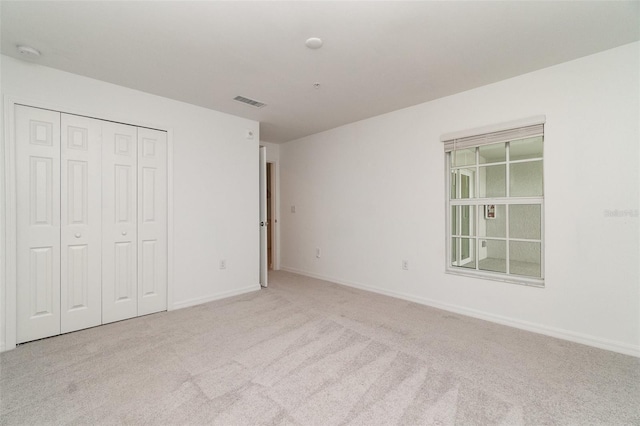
column 308, row 352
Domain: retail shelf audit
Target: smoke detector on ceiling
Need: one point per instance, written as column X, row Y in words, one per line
column 28, row 51
column 314, row 43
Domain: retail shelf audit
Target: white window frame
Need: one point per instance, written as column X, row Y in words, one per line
column 474, row 138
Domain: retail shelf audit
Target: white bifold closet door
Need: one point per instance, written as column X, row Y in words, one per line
column 37, row 134
column 134, row 222
column 91, row 222
column 119, row 222
column 80, row 233
column 152, row 221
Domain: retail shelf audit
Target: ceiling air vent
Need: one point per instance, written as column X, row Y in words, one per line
column 248, row 101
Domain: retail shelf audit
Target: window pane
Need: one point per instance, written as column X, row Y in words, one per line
column 463, row 157
column 493, row 255
column 463, row 186
column 525, row 148
column 494, row 153
column 454, row 251
column 493, row 182
column 463, row 220
column 524, row 258
column 454, row 185
column 493, row 221
column 463, row 252
column 525, row 221
column 525, row 179
column 454, row 220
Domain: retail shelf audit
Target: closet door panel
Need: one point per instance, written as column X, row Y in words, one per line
column 119, row 222
column 152, row 221
column 80, row 289
column 38, row 223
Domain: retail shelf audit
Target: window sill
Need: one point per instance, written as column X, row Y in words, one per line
column 511, row 279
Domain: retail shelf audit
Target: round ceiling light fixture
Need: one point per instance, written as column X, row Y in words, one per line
column 28, row 51
column 313, row 43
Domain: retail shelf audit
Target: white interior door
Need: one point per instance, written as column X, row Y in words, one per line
column 264, row 266
column 38, row 223
column 152, row 221
column 119, row 222
column 80, row 217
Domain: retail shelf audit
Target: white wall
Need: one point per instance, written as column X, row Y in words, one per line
column 371, row 194
column 215, row 175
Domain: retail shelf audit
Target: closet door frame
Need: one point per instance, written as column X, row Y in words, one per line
column 8, row 205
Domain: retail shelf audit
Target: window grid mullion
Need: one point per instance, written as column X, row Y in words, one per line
column 526, row 160
column 476, row 193
column 525, row 240
column 508, row 208
column 542, row 263
column 508, row 248
column 458, row 229
column 501, row 200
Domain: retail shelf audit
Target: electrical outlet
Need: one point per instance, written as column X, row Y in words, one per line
column 223, row 264
column 405, row 265
column 293, row 209
column 318, row 253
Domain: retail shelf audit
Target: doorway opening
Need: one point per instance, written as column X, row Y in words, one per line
column 268, row 216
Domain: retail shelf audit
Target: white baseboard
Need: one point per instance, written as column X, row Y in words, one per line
column 217, row 296
column 559, row 333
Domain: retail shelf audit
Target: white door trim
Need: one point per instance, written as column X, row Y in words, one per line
column 8, row 205
column 264, row 267
column 275, row 214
